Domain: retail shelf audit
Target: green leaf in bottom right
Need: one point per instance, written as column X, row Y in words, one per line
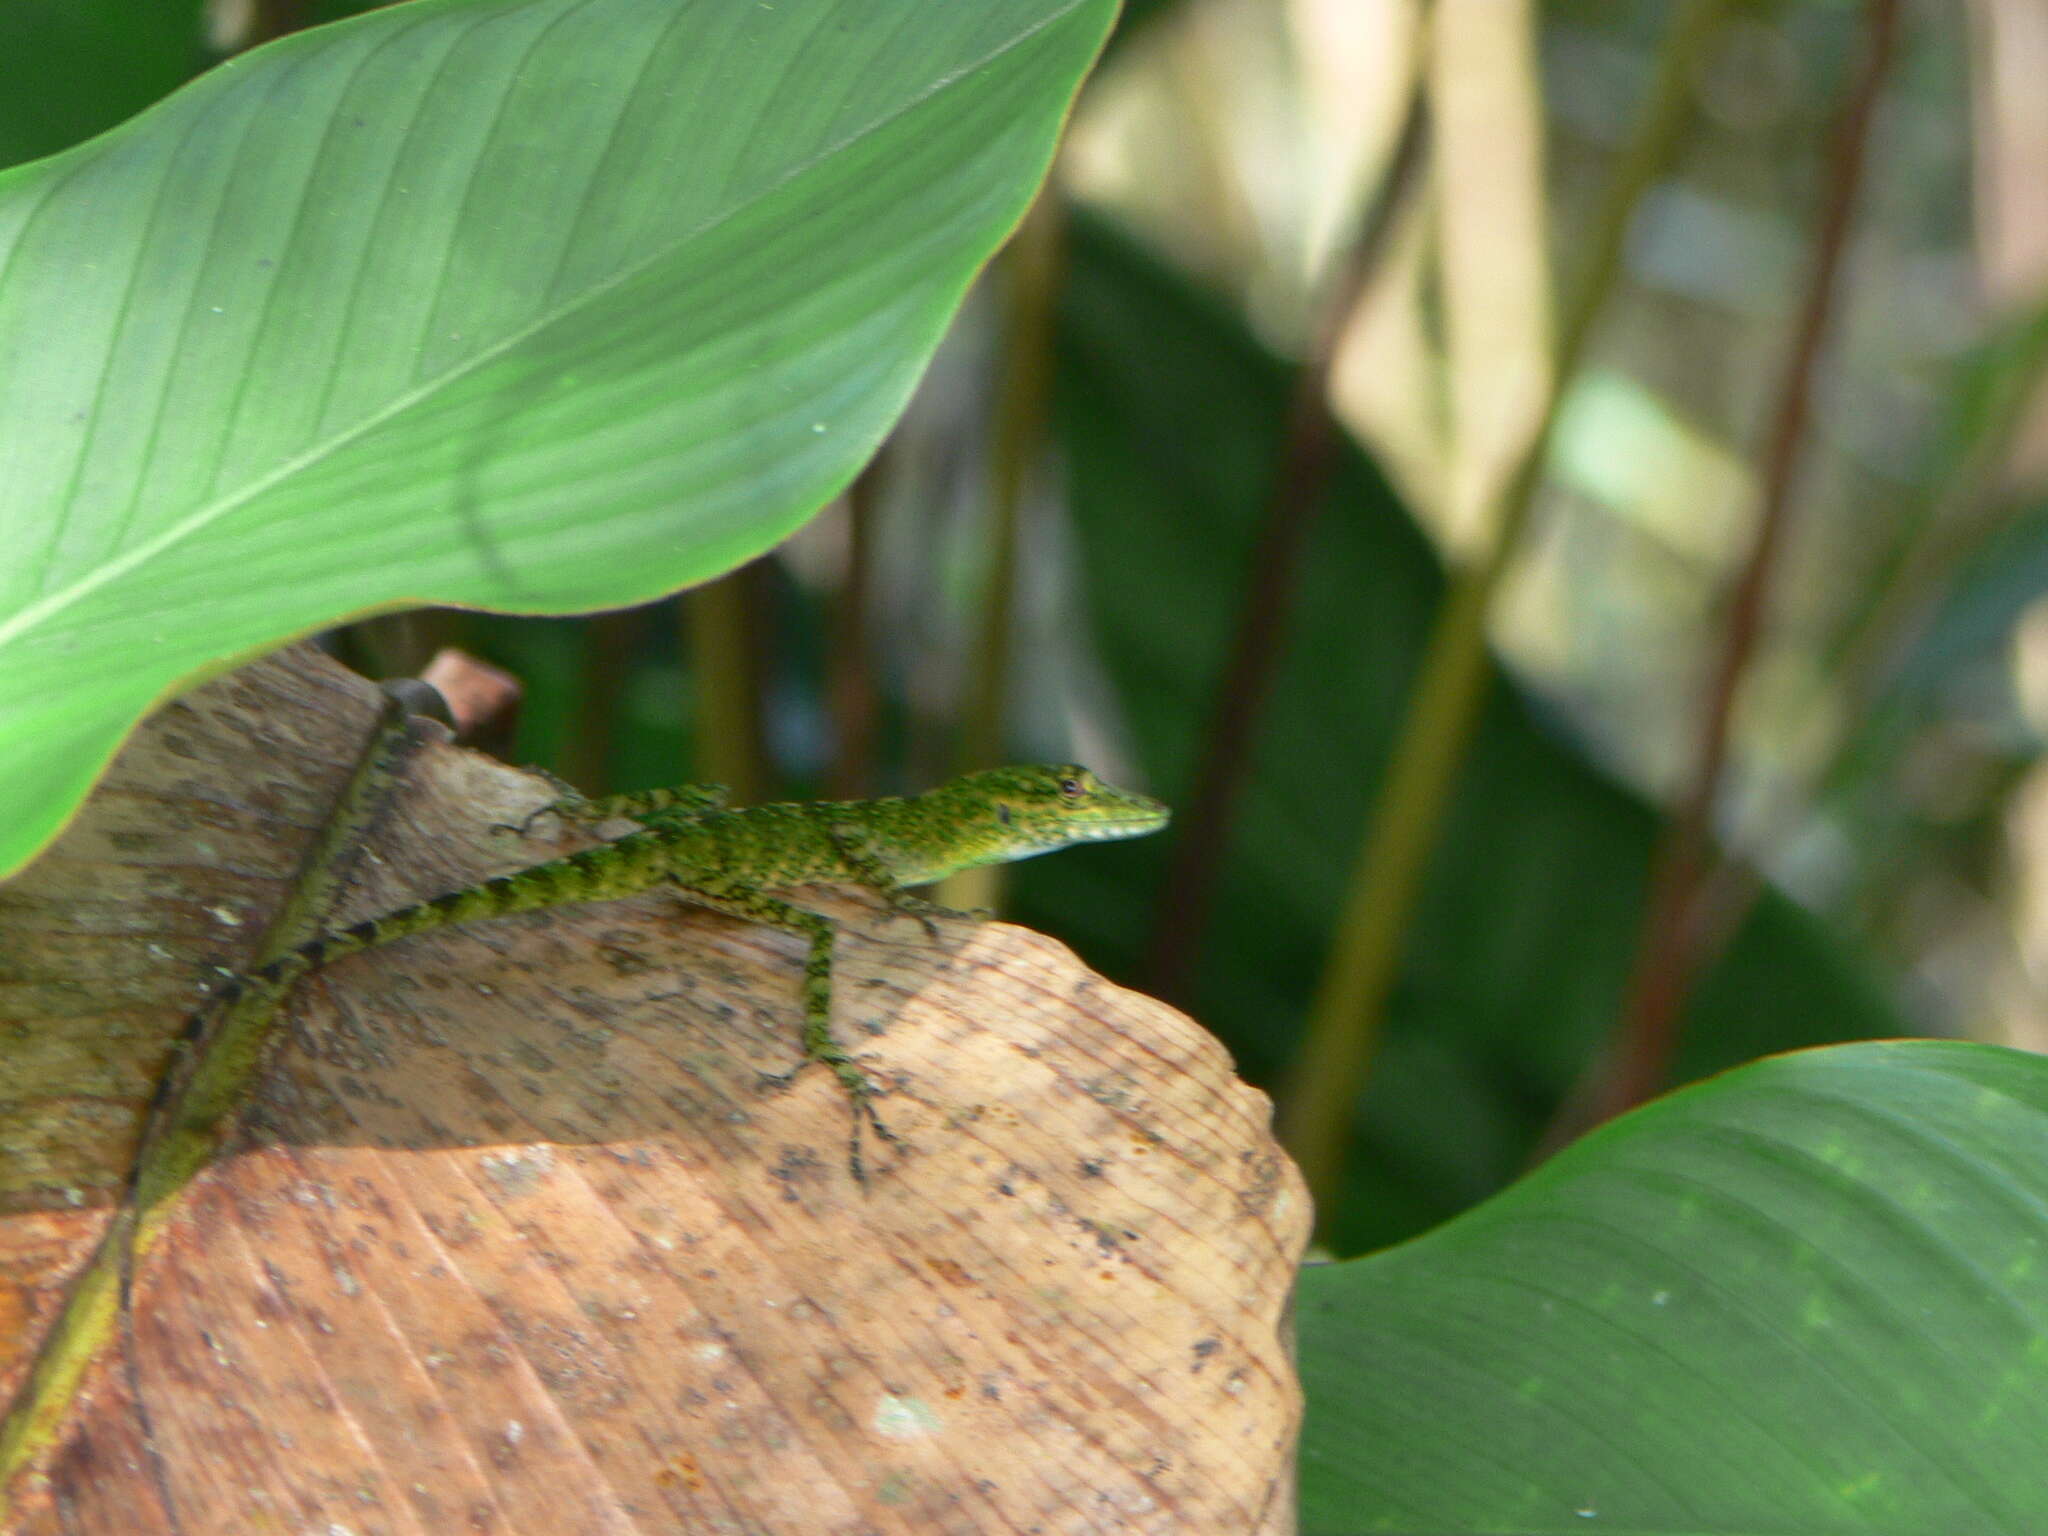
column 1806, row 1297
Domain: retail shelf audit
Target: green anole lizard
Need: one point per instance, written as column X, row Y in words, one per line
column 732, row 860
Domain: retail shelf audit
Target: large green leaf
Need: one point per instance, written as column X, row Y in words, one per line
column 1170, row 416
column 1808, row 1297
column 532, row 305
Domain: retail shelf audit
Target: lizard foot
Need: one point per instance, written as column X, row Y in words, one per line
column 567, row 800
column 569, row 808
column 929, row 913
column 861, row 1094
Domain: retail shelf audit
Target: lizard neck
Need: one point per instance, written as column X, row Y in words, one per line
column 925, row 838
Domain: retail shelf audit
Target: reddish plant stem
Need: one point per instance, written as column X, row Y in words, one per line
column 1308, row 451
column 1676, row 926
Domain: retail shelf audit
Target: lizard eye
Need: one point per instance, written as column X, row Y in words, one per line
column 1071, row 788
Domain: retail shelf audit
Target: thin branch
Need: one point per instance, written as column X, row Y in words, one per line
column 1668, row 958
column 1307, row 455
column 720, row 638
column 606, row 643
column 850, row 692
column 1036, row 265
column 1345, row 1021
column 1955, row 525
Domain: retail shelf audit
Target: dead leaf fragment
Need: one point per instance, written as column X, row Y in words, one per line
column 515, row 1233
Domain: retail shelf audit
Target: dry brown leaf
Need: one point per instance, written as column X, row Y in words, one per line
column 515, row 1236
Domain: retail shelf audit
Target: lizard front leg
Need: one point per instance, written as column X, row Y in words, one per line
column 755, row 905
column 856, row 847
column 673, row 807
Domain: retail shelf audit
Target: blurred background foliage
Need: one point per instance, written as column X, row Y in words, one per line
column 1298, row 284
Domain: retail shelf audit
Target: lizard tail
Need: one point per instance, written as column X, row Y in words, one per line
column 538, row 887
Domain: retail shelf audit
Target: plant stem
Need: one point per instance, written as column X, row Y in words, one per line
column 605, row 654
column 1035, row 262
column 850, row 693
column 1944, row 534
column 725, row 673
column 1300, row 482
column 1345, row 1021
column 1667, row 959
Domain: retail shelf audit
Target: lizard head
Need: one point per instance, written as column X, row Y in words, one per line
column 1001, row 814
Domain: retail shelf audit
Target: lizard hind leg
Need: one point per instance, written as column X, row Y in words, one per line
column 820, row 1044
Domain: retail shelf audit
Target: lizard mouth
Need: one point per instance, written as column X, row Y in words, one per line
column 1110, row 827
